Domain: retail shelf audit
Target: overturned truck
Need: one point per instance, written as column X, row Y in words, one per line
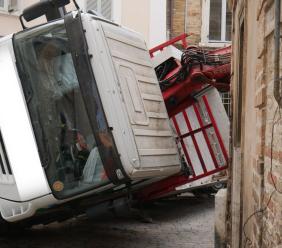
column 83, row 119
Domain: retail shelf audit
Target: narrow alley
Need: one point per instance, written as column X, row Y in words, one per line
column 183, row 222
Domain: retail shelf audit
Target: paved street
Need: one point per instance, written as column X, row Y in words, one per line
column 185, row 222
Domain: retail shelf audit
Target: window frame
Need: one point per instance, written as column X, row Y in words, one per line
column 99, row 7
column 8, row 9
column 5, row 8
column 206, row 25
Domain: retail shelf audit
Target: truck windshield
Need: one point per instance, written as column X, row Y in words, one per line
column 58, row 114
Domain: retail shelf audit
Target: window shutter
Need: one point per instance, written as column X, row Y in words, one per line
column 106, row 8
column 4, row 5
column 13, row 5
column 92, row 5
column 8, row 5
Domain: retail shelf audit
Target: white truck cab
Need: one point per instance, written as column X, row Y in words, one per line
column 81, row 112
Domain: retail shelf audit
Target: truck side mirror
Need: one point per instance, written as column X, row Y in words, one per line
column 52, row 9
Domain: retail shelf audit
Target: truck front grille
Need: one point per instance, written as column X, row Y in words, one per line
column 4, row 161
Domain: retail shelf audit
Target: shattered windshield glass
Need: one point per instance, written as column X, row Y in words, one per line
column 65, row 139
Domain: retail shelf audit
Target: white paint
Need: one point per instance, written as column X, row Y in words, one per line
column 117, row 11
column 167, row 53
column 119, row 72
column 81, row 4
column 17, row 132
column 148, row 18
column 157, row 32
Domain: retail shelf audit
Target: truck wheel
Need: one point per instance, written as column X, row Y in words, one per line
column 219, row 185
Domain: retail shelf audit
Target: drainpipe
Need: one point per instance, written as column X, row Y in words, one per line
column 170, row 6
column 277, row 37
column 185, row 17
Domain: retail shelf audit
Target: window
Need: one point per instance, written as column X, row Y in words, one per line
column 104, row 7
column 226, row 100
column 8, row 5
column 61, row 123
column 13, row 5
column 3, row 5
column 216, row 21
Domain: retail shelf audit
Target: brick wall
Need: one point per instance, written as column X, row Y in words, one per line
column 189, row 12
column 194, row 20
column 264, row 228
column 270, row 222
column 260, row 104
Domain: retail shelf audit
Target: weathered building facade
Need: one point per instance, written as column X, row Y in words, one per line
column 9, row 15
column 10, row 10
column 209, row 21
column 146, row 17
column 255, row 200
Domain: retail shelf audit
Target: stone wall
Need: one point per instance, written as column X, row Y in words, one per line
column 272, row 218
column 267, row 231
column 261, row 178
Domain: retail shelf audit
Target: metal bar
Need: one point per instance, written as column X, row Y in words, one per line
column 168, row 185
column 183, row 136
column 4, row 155
column 183, row 145
column 2, row 165
column 168, row 43
column 205, row 136
column 195, row 142
column 207, row 174
column 222, row 146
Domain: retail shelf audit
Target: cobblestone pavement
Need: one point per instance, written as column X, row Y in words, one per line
column 186, row 222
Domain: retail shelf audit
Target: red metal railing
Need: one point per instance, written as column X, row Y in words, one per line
column 161, row 47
